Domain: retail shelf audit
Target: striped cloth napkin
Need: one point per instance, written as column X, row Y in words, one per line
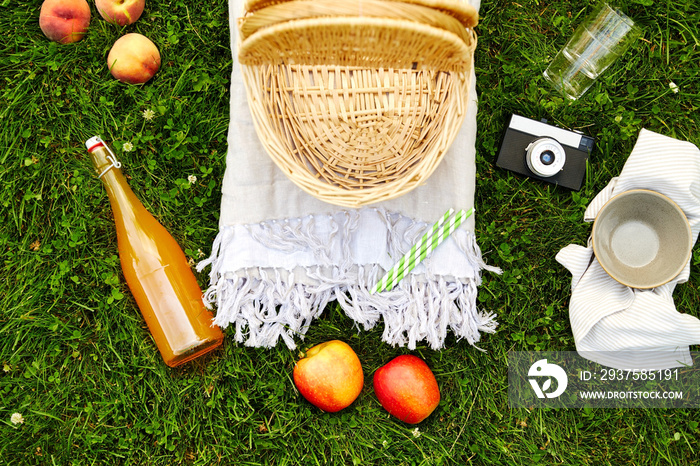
column 627, row 328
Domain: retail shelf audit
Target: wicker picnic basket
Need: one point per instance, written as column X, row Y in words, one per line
column 356, row 101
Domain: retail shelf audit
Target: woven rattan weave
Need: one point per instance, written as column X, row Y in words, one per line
column 357, row 110
column 459, row 9
column 357, row 41
column 300, row 9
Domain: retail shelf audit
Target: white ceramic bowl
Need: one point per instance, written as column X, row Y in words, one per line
column 642, row 238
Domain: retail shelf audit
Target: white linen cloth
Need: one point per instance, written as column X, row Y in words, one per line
column 282, row 255
column 628, row 328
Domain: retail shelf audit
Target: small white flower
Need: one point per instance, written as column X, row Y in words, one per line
column 192, row 179
column 6, row 368
column 148, row 114
column 416, row 432
column 17, row 418
column 674, row 87
column 127, row 147
column 618, row 118
column 385, row 443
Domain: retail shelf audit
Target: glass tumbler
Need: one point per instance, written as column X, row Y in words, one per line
column 603, row 36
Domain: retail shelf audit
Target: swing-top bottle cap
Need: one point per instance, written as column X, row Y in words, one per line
column 94, row 142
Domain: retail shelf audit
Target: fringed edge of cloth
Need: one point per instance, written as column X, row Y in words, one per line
column 268, row 304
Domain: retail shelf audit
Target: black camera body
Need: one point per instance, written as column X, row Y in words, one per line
column 544, row 152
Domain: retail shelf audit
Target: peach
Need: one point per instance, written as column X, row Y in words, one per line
column 64, row 21
column 133, row 59
column 329, row 376
column 120, row 12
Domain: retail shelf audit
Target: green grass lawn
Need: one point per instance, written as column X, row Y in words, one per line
column 79, row 364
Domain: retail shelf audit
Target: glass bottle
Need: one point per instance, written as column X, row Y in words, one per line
column 156, row 270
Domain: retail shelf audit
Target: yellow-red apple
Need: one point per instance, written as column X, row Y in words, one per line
column 133, row 59
column 64, row 21
column 406, row 387
column 121, row 12
column 329, row 376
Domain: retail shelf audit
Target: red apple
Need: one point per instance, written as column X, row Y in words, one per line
column 133, row 59
column 120, row 12
column 329, row 376
column 64, row 21
column 406, row 387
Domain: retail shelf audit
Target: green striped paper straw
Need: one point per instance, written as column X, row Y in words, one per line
column 433, row 242
column 389, row 276
column 432, row 239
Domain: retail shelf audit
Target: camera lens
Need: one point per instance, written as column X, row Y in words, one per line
column 545, row 157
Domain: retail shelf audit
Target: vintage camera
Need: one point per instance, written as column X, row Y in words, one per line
column 545, row 152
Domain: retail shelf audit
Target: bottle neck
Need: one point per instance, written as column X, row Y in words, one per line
column 108, row 170
column 104, row 160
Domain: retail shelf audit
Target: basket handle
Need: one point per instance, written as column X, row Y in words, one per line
column 304, row 9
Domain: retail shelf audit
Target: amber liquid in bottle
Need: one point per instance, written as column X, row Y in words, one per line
column 156, row 270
